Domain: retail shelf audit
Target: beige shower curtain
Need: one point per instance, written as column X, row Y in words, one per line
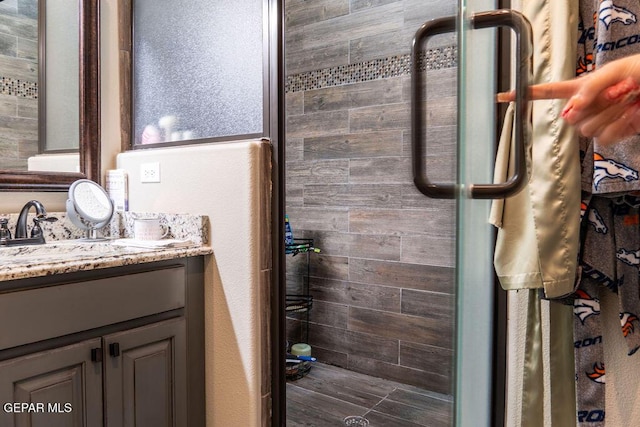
column 537, row 245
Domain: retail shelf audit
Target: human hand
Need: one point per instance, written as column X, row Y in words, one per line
column 604, row 104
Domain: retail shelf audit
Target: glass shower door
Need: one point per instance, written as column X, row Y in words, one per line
column 383, row 284
column 476, row 135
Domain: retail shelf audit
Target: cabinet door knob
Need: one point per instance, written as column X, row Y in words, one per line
column 114, row 349
column 96, row 354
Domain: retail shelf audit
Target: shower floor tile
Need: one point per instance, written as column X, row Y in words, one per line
column 328, row 394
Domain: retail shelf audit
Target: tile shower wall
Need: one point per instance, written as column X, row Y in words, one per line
column 19, row 79
column 383, row 283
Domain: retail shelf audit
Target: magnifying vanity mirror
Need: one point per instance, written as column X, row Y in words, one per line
column 89, row 207
column 13, row 178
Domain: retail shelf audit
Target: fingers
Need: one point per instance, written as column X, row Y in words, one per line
column 557, row 90
column 606, row 107
column 622, row 73
column 595, row 123
column 586, row 89
column 625, row 91
column 626, row 125
column 603, row 104
column 610, row 124
column 506, row 96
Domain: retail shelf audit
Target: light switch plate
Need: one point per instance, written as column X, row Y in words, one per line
column 150, row 172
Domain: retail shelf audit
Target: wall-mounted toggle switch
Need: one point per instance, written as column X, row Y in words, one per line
column 150, row 172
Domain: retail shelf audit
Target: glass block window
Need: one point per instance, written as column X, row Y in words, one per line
column 197, row 70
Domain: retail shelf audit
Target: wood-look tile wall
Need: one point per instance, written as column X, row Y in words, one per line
column 383, row 283
column 19, row 78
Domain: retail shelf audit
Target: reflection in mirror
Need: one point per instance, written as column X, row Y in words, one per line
column 59, row 91
column 19, row 72
column 38, row 64
column 72, row 105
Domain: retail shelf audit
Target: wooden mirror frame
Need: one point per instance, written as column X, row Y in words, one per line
column 89, row 143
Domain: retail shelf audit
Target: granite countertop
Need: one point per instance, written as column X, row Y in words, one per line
column 65, row 253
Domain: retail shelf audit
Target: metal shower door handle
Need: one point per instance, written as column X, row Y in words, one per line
column 496, row 18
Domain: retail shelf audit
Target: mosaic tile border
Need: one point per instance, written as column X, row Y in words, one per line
column 393, row 66
column 17, row 87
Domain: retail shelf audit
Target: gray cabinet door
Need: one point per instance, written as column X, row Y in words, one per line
column 54, row 388
column 145, row 376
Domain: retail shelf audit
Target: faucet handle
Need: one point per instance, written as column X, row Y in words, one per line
column 45, row 218
column 36, row 231
column 5, row 233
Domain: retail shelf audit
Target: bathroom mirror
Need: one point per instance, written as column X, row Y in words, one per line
column 89, row 115
column 89, row 206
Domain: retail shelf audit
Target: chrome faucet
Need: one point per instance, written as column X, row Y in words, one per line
column 41, row 215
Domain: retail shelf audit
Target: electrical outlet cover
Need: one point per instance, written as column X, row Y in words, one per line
column 150, row 172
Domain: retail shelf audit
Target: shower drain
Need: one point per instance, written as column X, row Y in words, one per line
column 356, row 421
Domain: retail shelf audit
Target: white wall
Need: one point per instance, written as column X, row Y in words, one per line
column 226, row 183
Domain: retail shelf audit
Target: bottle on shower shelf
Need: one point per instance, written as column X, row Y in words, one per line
column 288, row 234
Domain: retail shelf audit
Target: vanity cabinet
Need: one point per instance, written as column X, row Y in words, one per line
column 63, row 384
column 115, row 347
column 144, row 374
